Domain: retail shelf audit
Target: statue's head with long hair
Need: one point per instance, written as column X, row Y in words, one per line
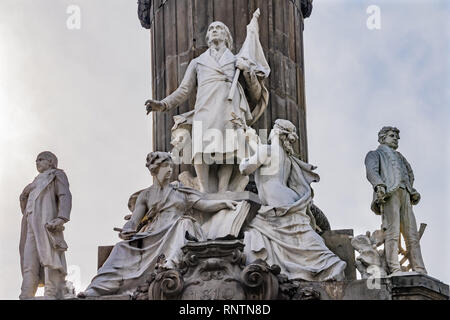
column 218, row 31
column 287, row 133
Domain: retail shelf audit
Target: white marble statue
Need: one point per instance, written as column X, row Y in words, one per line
column 283, row 232
column 46, row 204
column 167, row 210
column 392, row 179
column 371, row 261
column 217, row 121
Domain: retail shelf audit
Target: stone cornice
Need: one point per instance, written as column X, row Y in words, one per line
column 146, row 17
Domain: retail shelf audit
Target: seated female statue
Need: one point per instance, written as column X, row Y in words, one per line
column 167, row 208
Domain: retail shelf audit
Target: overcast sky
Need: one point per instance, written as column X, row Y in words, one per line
column 80, row 94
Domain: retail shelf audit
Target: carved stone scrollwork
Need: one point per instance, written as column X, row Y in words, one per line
column 211, row 270
column 215, row 270
column 166, row 285
column 260, row 281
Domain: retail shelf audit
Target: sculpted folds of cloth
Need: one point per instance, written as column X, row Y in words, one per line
column 167, row 211
column 217, row 123
column 283, row 232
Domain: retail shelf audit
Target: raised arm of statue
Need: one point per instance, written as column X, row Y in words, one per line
column 251, row 164
column 185, row 89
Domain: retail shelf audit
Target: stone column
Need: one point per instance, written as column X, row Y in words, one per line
column 177, row 35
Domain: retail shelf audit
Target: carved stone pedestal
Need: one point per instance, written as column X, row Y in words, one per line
column 213, row 270
column 406, row 287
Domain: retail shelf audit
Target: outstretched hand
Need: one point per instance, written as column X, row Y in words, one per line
column 154, row 105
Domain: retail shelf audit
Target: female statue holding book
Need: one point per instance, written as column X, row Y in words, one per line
column 167, row 209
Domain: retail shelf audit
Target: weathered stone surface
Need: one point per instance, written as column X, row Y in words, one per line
column 339, row 242
column 407, row 287
column 418, row 287
column 212, row 270
column 103, row 254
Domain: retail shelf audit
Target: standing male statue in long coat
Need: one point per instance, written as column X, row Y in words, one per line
column 392, row 179
column 45, row 205
column 219, row 120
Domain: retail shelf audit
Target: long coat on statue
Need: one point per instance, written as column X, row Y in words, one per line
column 50, row 198
column 213, row 110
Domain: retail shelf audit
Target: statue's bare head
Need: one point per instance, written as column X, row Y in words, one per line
column 46, row 160
column 160, row 165
column 218, row 32
column 389, row 136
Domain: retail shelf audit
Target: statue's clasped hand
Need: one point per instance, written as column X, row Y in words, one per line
column 230, row 204
column 243, row 64
column 415, row 197
column 381, row 194
column 55, row 225
column 127, row 234
column 154, row 105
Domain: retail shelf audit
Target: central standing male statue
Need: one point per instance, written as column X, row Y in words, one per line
column 218, row 122
column 392, row 179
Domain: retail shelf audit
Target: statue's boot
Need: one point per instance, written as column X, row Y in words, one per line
column 391, row 251
column 415, row 258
